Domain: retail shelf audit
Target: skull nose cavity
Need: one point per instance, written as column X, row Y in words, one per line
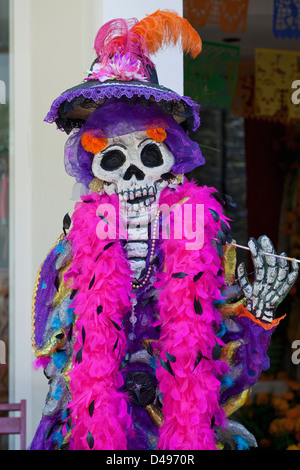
column 134, row 171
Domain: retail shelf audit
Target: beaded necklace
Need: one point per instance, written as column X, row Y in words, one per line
column 137, row 285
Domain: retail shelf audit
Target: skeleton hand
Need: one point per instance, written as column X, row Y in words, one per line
column 272, row 279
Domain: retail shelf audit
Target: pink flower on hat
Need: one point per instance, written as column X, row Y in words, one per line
column 119, row 67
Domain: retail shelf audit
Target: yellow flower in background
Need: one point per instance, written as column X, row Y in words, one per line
column 293, row 385
column 279, row 417
column 289, row 396
column 262, row 398
column 275, row 427
column 297, row 425
column 279, row 403
column 293, row 413
column 287, row 424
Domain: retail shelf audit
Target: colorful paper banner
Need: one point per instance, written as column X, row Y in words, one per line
column 275, row 72
column 231, row 15
column 286, row 18
column 210, row 79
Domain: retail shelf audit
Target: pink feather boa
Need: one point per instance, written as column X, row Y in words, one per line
column 191, row 402
column 99, row 412
column 191, row 405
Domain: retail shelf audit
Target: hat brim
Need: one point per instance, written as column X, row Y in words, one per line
column 73, row 107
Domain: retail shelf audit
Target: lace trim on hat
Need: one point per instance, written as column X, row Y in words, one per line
column 170, row 101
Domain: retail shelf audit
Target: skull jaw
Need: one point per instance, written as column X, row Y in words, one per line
column 140, row 202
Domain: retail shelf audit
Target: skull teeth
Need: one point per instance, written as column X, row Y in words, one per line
column 138, row 200
column 132, row 194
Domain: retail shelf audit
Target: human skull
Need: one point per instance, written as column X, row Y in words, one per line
column 131, row 166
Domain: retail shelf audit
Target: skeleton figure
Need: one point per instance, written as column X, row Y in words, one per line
column 147, row 344
column 137, row 168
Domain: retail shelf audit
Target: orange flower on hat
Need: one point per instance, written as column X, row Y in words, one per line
column 92, row 143
column 158, row 134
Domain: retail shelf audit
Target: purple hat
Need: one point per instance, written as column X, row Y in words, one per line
column 123, row 69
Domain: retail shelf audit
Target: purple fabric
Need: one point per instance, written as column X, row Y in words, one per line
column 44, row 296
column 251, row 357
column 109, row 90
column 39, row 441
column 143, row 428
column 145, row 432
column 116, row 118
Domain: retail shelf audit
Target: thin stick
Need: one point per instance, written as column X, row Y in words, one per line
column 210, row 148
column 264, row 253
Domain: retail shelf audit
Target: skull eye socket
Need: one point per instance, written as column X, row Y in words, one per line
column 151, row 156
column 112, row 160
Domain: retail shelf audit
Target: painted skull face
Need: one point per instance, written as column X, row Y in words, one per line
column 131, row 166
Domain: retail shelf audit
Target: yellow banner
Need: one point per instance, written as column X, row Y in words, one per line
column 275, row 73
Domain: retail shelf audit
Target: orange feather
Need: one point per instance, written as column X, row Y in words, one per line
column 164, row 28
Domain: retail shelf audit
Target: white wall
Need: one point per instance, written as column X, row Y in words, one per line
column 51, row 49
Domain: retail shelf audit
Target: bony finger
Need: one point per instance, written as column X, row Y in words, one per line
column 266, row 246
column 241, row 270
column 283, row 262
column 242, row 273
column 265, row 243
column 254, row 249
column 243, row 279
column 287, row 285
column 295, row 266
column 292, row 277
column 283, row 269
column 253, row 246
